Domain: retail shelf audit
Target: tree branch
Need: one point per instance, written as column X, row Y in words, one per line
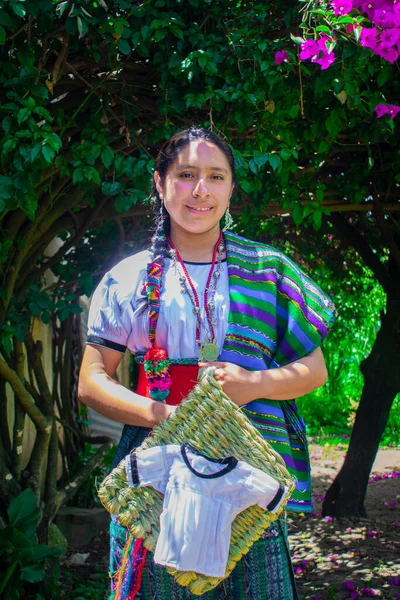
column 42, row 423
column 350, row 235
column 73, row 486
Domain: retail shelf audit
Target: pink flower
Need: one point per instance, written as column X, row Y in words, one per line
column 342, row 7
column 368, row 592
column 327, row 57
column 328, row 519
column 368, row 37
column 350, row 585
column 308, row 49
column 318, row 52
column 394, row 581
column 373, row 534
column 390, row 109
column 389, row 54
column 354, row 595
column 281, row 56
column 390, row 37
column 385, row 18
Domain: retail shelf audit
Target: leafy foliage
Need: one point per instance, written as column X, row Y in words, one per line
column 22, row 558
column 89, row 91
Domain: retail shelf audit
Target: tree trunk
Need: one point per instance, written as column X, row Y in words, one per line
column 346, row 495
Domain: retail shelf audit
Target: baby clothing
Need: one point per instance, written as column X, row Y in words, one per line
column 202, row 496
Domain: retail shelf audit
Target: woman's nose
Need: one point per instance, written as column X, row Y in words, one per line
column 201, row 189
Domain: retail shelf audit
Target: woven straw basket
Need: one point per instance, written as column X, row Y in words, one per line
column 212, row 423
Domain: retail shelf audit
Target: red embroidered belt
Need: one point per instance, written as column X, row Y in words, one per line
column 183, row 377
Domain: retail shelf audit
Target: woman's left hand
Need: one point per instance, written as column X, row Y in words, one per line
column 237, row 383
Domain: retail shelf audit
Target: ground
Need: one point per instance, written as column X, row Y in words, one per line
column 332, row 560
column 327, row 553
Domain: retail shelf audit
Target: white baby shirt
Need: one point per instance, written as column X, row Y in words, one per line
column 202, row 496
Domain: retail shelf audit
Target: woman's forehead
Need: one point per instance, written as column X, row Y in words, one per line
column 201, row 153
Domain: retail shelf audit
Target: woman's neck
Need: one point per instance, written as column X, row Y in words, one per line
column 195, row 247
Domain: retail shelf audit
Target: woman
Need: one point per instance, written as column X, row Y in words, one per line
column 217, row 300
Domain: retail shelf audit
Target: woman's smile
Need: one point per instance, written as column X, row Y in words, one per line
column 199, row 209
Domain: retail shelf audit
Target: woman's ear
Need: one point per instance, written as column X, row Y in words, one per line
column 157, row 181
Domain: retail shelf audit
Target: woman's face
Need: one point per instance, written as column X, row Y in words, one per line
column 197, row 188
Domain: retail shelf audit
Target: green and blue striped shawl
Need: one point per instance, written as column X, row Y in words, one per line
column 277, row 315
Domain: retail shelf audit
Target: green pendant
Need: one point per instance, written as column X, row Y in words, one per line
column 209, row 352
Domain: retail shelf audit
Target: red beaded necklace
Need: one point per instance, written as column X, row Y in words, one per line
column 209, row 351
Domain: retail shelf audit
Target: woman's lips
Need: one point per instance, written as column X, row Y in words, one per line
column 199, row 210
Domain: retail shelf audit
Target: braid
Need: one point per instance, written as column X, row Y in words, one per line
column 159, row 244
column 156, row 361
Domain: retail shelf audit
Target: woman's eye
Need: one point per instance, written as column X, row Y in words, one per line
column 186, row 175
column 218, row 177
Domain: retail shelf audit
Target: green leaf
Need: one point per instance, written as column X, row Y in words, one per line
column 297, row 40
column 23, row 115
column 48, row 153
column 54, row 141
column 110, row 189
column 9, row 146
column 384, row 75
column 75, row 309
column 42, row 112
column 123, row 46
column 297, row 214
column 3, row 35
column 5, row 19
column 18, row 9
column 286, row 154
column 7, row 124
column 39, row 552
column 33, row 573
column 46, row 317
column 107, row 156
column 317, row 219
column 61, row 8
column 23, row 513
column 274, row 161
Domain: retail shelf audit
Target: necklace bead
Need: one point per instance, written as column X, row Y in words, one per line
column 209, row 350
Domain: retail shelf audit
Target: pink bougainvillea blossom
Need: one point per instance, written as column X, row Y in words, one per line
column 325, row 60
column 389, row 109
column 389, row 54
column 281, row 56
column 350, row 585
column 309, row 49
column 342, row 7
column 368, row 37
column 323, row 57
column 368, row 592
column 394, row 581
column 390, row 37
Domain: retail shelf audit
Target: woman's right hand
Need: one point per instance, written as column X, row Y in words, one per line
column 98, row 389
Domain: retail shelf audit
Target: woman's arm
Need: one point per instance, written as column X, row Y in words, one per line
column 284, row 383
column 99, row 390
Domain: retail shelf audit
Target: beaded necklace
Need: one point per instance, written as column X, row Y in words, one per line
column 156, row 360
column 208, row 351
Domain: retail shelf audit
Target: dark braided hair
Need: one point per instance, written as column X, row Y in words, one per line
column 166, row 157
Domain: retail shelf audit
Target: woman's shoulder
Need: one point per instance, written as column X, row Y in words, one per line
column 130, row 272
column 252, row 249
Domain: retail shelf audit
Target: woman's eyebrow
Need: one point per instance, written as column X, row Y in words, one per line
column 210, row 168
